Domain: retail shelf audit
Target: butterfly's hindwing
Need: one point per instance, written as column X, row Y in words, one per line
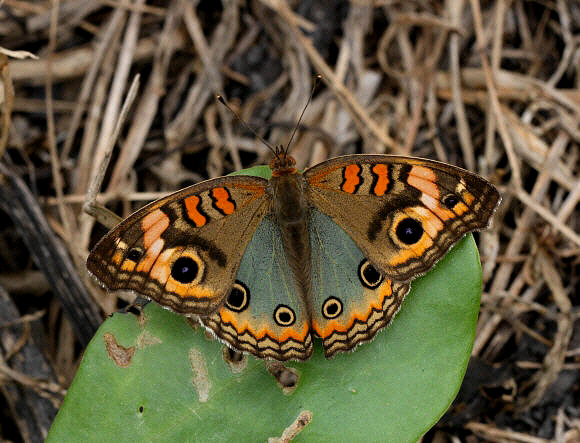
column 183, row 251
column 352, row 300
column 403, row 213
column 263, row 314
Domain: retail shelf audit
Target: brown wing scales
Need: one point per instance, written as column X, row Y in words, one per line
column 183, row 251
column 403, row 213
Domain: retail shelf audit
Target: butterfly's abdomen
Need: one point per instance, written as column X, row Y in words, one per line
column 292, row 211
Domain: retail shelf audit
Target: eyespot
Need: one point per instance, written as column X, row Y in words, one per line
column 368, row 275
column 239, row 298
column 184, row 269
column 409, row 231
column 284, row 316
column 450, row 200
column 134, row 254
column 331, row 308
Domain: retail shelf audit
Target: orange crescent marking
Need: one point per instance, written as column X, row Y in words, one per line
column 402, row 257
column 191, row 204
column 198, row 292
column 292, row 333
column 186, row 291
column 422, row 245
column 385, row 290
column 380, row 170
column 222, row 200
column 351, row 178
column 229, row 317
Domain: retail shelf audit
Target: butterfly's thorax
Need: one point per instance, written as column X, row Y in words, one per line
column 291, row 210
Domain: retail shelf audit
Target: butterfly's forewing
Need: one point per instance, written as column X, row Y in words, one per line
column 403, row 213
column 352, row 301
column 263, row 314
column 184, row 250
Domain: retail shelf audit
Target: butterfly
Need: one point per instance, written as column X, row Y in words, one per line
column 266, row 265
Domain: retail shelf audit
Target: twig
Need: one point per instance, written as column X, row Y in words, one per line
column 215, row 79
column 147, row 107
column 50, row 131
column 464, row 132
column 106, row 36
column 491, row 433
column 7, row 103
column 514, row 163
column 547, row 215
column 111, row 112
column 104, row 216
column 342, row 93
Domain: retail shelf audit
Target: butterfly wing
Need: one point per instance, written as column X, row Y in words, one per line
column 184, row 250
column 403, row 213
column 352, row 301
column 263, row 314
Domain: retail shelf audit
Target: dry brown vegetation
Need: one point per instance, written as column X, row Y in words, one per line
column 490, row 86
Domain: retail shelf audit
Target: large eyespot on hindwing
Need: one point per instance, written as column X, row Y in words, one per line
column 188, row 268
column 408, row 230
column 368, row 275
column 331, row 308
column 284, row 316
column 239, row 298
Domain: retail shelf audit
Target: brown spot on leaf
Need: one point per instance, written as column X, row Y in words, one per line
column 200, row 378
column 121, row 355
column 236, row 361
column 146, row 339
column 287, row 378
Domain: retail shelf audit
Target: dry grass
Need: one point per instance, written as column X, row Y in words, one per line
column 491, row 86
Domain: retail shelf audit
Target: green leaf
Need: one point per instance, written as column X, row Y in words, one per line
column 392, row 389
column 258, row 171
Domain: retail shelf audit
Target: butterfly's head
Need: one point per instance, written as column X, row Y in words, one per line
column 283, row 164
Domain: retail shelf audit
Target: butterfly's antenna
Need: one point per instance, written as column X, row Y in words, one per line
column 316, row 83
column 268, row 145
